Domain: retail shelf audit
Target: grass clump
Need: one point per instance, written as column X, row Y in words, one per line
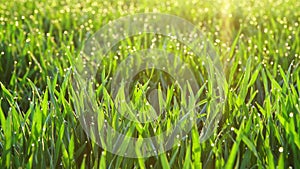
column 257, row 43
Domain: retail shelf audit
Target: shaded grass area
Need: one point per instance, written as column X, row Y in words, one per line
column 259, row 47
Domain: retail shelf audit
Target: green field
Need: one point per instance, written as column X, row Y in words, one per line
column 256, row 42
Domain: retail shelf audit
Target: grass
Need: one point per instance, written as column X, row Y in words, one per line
column 257, row 43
